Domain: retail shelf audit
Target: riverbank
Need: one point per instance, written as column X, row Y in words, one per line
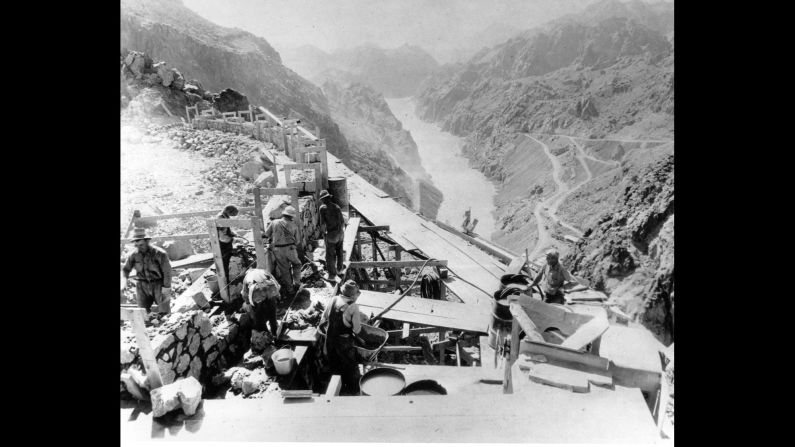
column 440, row 152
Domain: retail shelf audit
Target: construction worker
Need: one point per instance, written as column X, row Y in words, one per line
column 344, row 321
column 283, row 234
column 332, row 227
column 226, row 237
column 153, row 270
column 556, row 277
column 261, row 292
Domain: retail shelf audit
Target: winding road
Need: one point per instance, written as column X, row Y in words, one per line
column 552, row 203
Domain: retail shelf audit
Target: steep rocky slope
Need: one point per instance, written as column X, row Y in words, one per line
column 222, row 58
column 394, row 72
column 603, row 81
column 383, row 152
column 630, row 249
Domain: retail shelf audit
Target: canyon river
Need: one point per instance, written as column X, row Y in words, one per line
column 440, row 153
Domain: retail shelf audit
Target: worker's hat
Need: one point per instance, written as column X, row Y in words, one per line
column 553, row 253
column 350, row 289
column 324, row 194
column 139, row 233
column 289, row 211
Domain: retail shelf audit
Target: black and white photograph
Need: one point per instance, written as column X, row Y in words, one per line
column 397, row 221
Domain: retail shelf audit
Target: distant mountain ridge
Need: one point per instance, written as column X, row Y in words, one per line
column 394, row 72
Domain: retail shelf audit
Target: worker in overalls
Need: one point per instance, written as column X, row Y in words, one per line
column 344, row 321
column 261, row 292
column 153, row 269
column 283, row 234
column 556, row 277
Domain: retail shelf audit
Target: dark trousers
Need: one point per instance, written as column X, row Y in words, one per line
column 148, row 293
column 226, row 255
column 343, row 360
column 333, row 256
column 264, row 313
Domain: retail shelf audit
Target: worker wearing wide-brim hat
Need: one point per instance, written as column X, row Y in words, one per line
column 283, row 236
column 344, row 321
column 153, row 269
column 332, row 227
column 556, row 277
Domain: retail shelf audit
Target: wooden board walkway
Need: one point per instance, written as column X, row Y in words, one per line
column 411, row 231
column 543, row 415
column 425, row 312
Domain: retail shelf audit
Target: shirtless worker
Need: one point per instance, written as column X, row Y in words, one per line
column 556, row 277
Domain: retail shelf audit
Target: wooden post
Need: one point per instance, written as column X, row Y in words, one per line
column 334, row 386
column 507, row 385
column 441, row 348
column 375, row 256
column 258, row 203
column 219, row 263
column 397, row 272
column 262, row 259
column 136, row 316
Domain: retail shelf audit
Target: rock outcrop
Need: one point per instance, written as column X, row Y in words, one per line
column 224, row 58
column 630, row 250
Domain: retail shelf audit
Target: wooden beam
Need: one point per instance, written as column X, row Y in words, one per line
column 258, row 202
column 259, row 248
column 176, row 237
column 415, row 331
column 239, row 223
column 406, row 331
column 586, row 333
column 401, row 348
column 425, row 312
column 191, row 214
column 136, row 316
column 371, row 228
column 278, row 191
column 334, row 386
column 212, row 229
column 398, row 264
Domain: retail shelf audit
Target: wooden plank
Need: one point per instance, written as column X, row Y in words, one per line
column 397, row 264
column 145, row 348
column 156, row 217
column 547, row 316
column 334, row 386
column 517, row 264
column 239, row 223
column 431, row 418
column 416, row 331
column 401, row 348
column 426, row 312
column 176, row 237
column 406, row 331
column 278, row 191
column 212, row 229
column 556, row 354
column 193, row 260
column 258, row 203
column 489, row 247
column 586, row 333
column 371, row 228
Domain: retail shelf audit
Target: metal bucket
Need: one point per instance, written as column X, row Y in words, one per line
column 338, row 188
column 212, row 283
column 424, row 387
column 382, row 382
column 369, row 341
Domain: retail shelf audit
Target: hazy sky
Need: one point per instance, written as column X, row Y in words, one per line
column 331, row 24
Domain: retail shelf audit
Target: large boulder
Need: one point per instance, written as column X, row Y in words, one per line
column 184, row 393
column 230, row 100
column 178, row 249
column 165, row 73
column 251, row 169
column 265, row 180
column 179, row 81
column 138, row 63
